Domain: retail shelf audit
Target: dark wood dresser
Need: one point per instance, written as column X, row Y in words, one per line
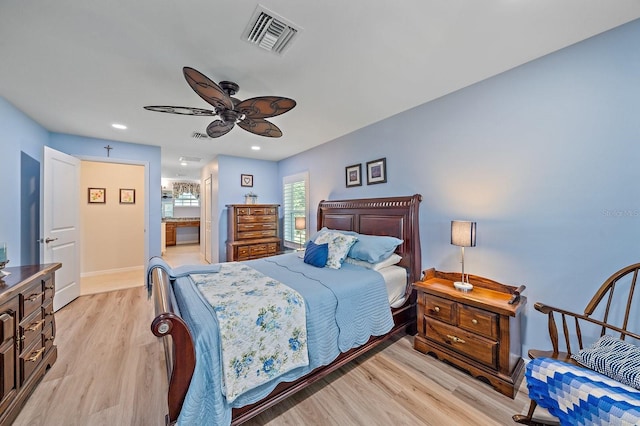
column 27, row 330
column 477, row 331
column 252, row 231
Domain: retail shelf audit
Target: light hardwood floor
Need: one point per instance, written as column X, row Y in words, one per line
column 110, row 371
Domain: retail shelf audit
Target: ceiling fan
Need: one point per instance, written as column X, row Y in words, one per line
column 249, row 114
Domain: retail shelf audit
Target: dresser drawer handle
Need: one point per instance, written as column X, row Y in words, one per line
column 455, row 339
column 474, row 321
column 34, row 326
column 34, row 297
column 49, row 287
column 436, row 309
column 37, row 354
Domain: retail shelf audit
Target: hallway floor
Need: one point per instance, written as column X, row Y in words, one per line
column 182, row 254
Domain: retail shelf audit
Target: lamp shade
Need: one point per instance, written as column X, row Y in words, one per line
column 463, row 233
column 301, row 223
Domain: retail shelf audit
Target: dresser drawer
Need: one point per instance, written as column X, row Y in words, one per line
column 478, row 321
column 243, row 252
column 47, row 311
column 471, row 345
column 257, row 219
column 250, row 235
column 251, row 227
column 255, row 211
column 30, row 328
column 259, row 250
column 48, row 334
column 439, row 308
column 49, row 288
column 30, row 300
column 29, row 360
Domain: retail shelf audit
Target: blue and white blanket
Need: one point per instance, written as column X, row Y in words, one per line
column 263, row 328
column 343, row 308
column 579, row 396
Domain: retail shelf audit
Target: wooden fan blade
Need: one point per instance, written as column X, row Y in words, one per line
column 207, row 89
column 218, row 128
column 265, row 106
column 260, row 127
column 180, row 110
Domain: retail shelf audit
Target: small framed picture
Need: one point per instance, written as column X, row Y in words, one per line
column 97, row 195
column 353, row 175
column 377, row 171
column 127, row 196
column 246, row 180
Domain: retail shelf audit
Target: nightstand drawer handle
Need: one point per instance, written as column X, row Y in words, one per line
column 437, row 309
column 474, row 321
column 455, row 339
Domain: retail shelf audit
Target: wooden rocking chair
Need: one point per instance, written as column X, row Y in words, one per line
column 573, row 324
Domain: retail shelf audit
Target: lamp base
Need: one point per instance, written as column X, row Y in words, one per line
column 463, row 287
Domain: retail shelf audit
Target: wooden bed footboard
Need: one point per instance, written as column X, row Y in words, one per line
column 394, row 216
column 179, row 352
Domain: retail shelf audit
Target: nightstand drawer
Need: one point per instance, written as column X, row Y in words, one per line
column 478, row 321
column 442, row 309
column 476, row 347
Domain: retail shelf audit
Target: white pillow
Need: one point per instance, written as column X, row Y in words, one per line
column 339, row 245
column 394, row 259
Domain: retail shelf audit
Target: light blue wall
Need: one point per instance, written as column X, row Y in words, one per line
column 543, row 157
column 18, row 133
column 91, row 148
column 265, row 185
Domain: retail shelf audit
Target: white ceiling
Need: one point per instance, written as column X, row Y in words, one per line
column 78, row 66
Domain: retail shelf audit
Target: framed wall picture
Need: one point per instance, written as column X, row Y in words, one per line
column 127, row 196
column 97, row 195
column 246, row 180
column 353, row 175
column 377, row 171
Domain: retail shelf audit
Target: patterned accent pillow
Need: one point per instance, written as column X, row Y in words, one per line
column 339, row 245
column 614, row 358
column 316, row 254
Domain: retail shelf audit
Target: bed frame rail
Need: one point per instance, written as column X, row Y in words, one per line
column 179, row 352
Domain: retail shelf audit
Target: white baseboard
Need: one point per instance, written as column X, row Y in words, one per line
column 112, row 271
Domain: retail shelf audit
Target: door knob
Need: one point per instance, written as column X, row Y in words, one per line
column 46, row 240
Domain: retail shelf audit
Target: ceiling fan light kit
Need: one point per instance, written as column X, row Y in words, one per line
column 249, row 114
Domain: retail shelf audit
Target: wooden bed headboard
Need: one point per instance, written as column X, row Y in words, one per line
column 393, row 216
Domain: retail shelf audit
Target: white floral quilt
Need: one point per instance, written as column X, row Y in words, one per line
column 262, row 325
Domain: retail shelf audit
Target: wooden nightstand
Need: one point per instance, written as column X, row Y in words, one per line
column 478, row 331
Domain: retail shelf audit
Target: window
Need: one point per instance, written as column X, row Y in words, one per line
column 186, row 199
column 295, row 190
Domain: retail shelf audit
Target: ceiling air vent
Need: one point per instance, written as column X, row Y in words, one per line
column 191, row 159
column 270, row 31
column 198, row 135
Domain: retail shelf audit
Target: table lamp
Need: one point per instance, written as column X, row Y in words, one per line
column 300, row 225
column 463, row 234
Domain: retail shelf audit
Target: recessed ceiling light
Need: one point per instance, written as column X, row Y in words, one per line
column 183, row 163
column 118, row 126
column 255, row 148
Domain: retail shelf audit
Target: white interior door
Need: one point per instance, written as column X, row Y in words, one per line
column 61, row 218
column 207, row 219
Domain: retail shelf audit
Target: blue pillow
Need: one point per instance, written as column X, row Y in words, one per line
column 316, row 254
column 614, row 358
column 373, row 248
column 369, row 248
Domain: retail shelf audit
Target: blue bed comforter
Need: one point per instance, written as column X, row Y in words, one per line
column 344, row 308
